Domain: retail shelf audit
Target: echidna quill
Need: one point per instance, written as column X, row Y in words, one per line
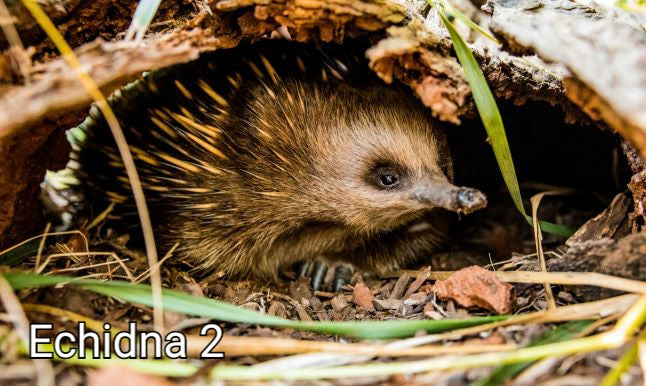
column 257, row 157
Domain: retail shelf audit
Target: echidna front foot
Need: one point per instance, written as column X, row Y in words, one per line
column 317, row 271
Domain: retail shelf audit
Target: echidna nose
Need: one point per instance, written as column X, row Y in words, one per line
column 445, row 195
column 469, row 199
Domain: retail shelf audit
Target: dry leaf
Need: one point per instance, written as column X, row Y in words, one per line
column 362, row 296
column 475, row 286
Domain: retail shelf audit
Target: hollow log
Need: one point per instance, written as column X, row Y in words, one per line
column 598, row 82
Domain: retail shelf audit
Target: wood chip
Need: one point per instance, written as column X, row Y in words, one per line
column 400, row 286
column 299, row 289
column 419, row 280
column 336, row 316
column 428, row 288
column 316, row 303
column 338, row 303
column 322, row 316
column 388, row 304
column 430, row 312
column 302, row 314
column 277, row 308
column 416, row 299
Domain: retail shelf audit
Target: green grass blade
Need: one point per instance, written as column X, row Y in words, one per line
column 549, row 227
column 451, row 10
column 144, row 15
column 492, row 121
column 221, row 311
column 563, row 332
column 488, row 110
column 20, row 253
column 613, row 377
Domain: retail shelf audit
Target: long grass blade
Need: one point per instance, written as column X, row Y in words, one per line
column 210, row 308
column 124, row 150
column 144, row 15
column 623, row 364
column 20, row 253
column 453, row 11
column 492, row 121
column 617, row 336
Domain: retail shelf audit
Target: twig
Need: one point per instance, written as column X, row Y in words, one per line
column 120, row 139
column 87, row 244
column 97, row 220
column 74, row 254
column 75, row 269
column 538, row 241
column 41, row 246
column 145, row 275
column 563, row 278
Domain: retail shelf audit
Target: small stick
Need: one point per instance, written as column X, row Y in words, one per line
column 41, row 246
column 87, row 245
column 563, row 278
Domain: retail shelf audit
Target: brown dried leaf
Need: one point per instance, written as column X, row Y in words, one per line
column 475, row 286
column 362, row 296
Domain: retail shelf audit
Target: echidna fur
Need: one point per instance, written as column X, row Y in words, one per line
column 256, row 157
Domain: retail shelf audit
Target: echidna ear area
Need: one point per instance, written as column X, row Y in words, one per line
column 547, row 153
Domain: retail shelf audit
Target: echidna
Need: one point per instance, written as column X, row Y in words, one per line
column 256, row 157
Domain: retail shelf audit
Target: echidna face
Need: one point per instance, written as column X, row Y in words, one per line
column 377, row 164
column 387, row 164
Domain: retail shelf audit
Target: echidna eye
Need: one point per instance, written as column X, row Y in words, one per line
column 386, row 176
column 388, row 181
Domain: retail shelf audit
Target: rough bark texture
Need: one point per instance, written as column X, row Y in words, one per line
column 57, row 101
column 421, row 60
column 613, row 222
column 111, row 64
column 327, row 20
column 54, row 98
column 83, row 21
column 414, row 49
column 419, row 54
column 25, row 158
column 637, row 187
column 605, row 52
column 624, row 257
